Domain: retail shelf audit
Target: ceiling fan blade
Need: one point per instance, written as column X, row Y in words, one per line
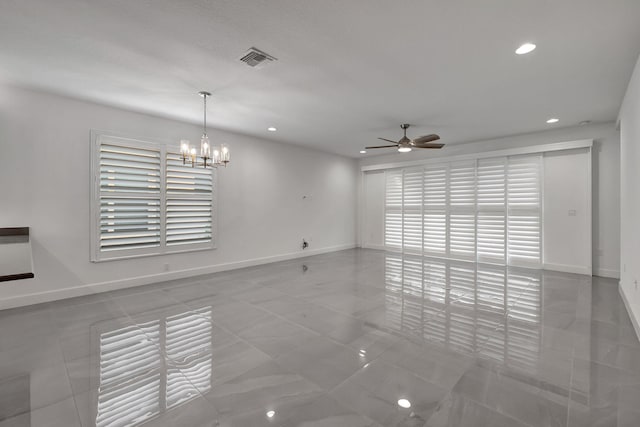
column 388, row 140
column 426, row 138
column 427, row 145
column 382, row 146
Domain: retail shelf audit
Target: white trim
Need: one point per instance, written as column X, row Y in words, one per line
column 534, row 149
column 94, row 288
column 577, row 269
column 607, row 272
column 377, row 247
column 627, row 305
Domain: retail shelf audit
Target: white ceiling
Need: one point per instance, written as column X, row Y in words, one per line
column 347, row 71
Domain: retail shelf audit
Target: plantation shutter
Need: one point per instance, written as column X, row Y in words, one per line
column 393, row 209
column 145, row 201
column 435, row 210
column 412, row 210
column 129, row 188
column 189, row 203
column 524, row 213
column 491, row 197
column 462, row 205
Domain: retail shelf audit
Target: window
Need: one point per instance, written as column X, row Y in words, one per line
column 485, row 210
column 146, row 202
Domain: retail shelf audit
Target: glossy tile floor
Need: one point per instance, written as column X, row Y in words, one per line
column 331, row 340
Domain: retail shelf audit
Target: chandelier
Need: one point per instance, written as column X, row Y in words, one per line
column 209, row 156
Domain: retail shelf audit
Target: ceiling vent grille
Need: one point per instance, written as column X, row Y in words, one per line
column 256, row 58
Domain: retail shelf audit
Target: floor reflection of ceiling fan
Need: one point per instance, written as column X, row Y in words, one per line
column 405, row 144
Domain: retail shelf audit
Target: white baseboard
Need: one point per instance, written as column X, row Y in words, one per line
column 606, row 272
column 378, row 247
column 634, row 320
column 567, row 268
column 95, row 288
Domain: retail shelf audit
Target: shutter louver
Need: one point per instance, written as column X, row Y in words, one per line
column 393, row 209
column 523, row 204
column 435, row 211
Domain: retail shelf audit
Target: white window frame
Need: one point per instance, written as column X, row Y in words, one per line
column 97, row 138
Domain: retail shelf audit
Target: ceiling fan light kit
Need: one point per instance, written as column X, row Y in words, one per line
column 405, row 145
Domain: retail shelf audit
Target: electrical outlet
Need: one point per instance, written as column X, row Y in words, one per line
column 635, row 282
column 166, row 267
column 572, row 212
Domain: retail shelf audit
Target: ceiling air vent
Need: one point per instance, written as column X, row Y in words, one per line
column 256, row 58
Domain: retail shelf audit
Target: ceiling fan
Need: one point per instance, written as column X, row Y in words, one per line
column 404, row 145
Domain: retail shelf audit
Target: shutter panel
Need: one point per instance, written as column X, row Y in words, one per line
column 129, row 170
column 189, row 203
column 129, row 375
column 462, row 204
column 393, row 209
column 491, row 198
column 412, row 210
column 523, row 204
column 435, row 210
column 129, row 216
column 129, row 223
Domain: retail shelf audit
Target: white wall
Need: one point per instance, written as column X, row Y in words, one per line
column 372, row 219
column 605, row 179
column 630, row 197
column 567, row 217
column 44, row 184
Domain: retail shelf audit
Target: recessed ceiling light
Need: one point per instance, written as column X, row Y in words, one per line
column 404, row 403
column 270, row 414
column 525, row 48
column 271, row 129
column 363, row 151
column 404, row 149
column 553, row 120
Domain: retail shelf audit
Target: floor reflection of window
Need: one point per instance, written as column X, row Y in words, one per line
column 130, row 365
column 188, row 352
column 151, row 367
column 467, row 307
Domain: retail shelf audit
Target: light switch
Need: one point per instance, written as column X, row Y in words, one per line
column 572, row 212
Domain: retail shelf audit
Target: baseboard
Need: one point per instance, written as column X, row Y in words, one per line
column 378, row 247
column 634, row 320
column 567, row 268
column 95, row 288
column 606, row 272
